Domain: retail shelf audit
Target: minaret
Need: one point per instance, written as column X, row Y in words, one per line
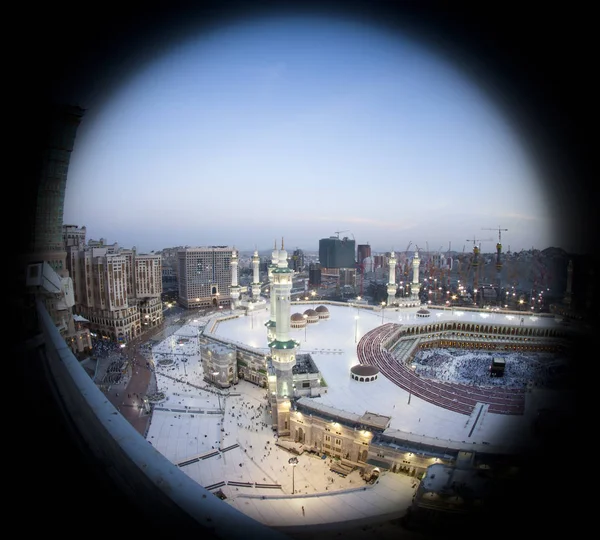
column 475, row 265
column 498, row 272
column 414, row 287
column 391, row 286
column 283, row 348
column 270, row 324
column 255, row 276
column 235, row 288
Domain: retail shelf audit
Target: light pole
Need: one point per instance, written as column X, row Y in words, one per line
column 356, row 317
column 293, row 461
column 305, row 325
column 251, row 308
column 382, row 307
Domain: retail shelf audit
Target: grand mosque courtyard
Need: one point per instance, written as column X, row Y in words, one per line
column 224, row 441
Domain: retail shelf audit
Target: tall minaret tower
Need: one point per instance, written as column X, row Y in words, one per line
column 414, row 286
column 391, row 286
column 255, row 276
column 235, row 288
column 283, row 348
column 498, row 272
column 270, row 324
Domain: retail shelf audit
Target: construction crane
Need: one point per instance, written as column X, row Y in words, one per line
column 338, row 232
column 495, row 229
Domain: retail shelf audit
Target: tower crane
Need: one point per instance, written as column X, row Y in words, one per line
column 495, row 229
column 338, row 232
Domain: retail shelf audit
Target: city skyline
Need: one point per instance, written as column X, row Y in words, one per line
column 301, row 127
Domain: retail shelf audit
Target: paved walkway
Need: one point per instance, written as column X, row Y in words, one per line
column 127, row 397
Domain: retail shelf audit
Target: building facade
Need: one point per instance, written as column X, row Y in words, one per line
column 119, row 293
column 219, row 363
column 47, row 244
column 74, row 236
column 204, row 276
column 337, row 253
column 297, row 260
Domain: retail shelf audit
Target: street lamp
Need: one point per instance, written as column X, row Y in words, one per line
column 356, row 317
column 305, row 325
column 293, row 461
column 251, row 308
column 382, row 306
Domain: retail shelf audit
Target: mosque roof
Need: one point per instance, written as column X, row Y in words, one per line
column 364, row 370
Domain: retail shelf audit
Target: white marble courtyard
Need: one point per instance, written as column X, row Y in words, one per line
column 195, row 423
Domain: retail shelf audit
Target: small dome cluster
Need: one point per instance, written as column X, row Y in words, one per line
column 311, row 316
column 323, row 312
column 297, row 320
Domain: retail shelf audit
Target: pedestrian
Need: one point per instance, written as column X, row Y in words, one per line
column 303, row 511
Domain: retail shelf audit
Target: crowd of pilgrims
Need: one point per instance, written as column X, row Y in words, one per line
column 469, row 367
column 101, row 348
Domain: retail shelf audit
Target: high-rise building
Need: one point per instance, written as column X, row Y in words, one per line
column 46, row 241
column 297, row 260
column 74, row 236
column 314, row 274
column 336, row 253
column 119, row 293
column 362, row 252
column 204, row 276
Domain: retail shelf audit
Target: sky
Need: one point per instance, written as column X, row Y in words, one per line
column 298, row 127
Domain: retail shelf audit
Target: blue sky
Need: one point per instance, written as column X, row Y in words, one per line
column 300, row 127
